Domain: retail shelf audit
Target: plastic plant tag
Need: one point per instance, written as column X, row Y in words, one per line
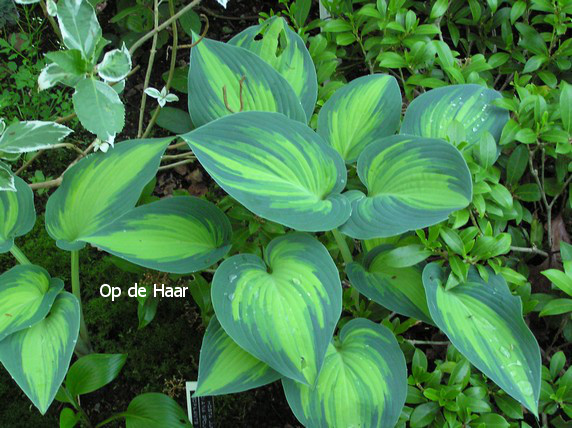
column 200, row 409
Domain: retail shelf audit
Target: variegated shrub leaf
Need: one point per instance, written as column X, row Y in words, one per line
column 38, row 357
column 7, row 179
column 179, row 235
column 115, row 65
column 99, row 189
column 412, row 183
column 431, row 113
column 361, row 112
column 276, row 167
column 283, row 310
column 225, row 368
column 484, row 322
column 27, row 293
column 286, row 52
column 17, row 213
column 399, row 289
column 32, row 135
column 363, row 382
column 219, row 68
column 79, row 26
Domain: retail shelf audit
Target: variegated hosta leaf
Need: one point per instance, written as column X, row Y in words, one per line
column 99, row 189
column 38, row 357
column 361, row 112
column 178, row 235
column 412, row 183
column 431, row 113
column 31, row 136
column 225, row 367
column 7, row 179
column 284, row 309
column 399, row 289
column 363, row 382
column 26, row 296
column 484, row 322
column 79, row 26
column 276, row 167
column 218, row 68
column 116, row 65
column 99, row 108
column 286, row 52
column 17, row 213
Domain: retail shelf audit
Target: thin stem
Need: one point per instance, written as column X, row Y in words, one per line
column 29, row 162
column 179, row 156
column 177, row 146
column 19, row 255
column 529, row 250
column 176, row 164
column 429, row 342
column 47, row 184
column 343, row 246
column 52, row 20
column 164, row 25
column 83, row 346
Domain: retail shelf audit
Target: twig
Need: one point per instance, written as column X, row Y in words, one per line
column 230, row 18
column 202, row 36
column 47, row 184
column 29, row 162
column 224, row 97
column 52, row 20
column 178, row 145
column 529, row 250
column 179, row 156
column 429, row 342
column 173, row 165
column 65, row 118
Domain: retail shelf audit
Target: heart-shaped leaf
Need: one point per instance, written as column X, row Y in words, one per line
column 431, row 113
column 363, row 382
column 484, row 322
column 99, row 189
column 17, row 213
column 361, row 112
column 285, row 51
column 38, row 357
column 276, row 167
column 225, row 368
column 412, row 183
column 221, row 71
column 284, row 309
column 179, row 235
column 399, row 289
column 32, row 135
column 27, row 293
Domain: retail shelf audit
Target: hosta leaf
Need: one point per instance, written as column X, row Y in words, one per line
column 17, row 213
column 26, row 296
column 218, row 67
column 361, row 112
column 398, row 289
column 412, row 183
column 31, row 136
column 484, row 322
column 362, row 382
column 430, row 114
column 284, row 309
column 99, row 108
column 154, row 410
column 225, row 367
column 79, row 26
column 116, row 65
column 38, row 357
column 286, row 52
column 277, row 168
column 99, row 189
column 180, row 235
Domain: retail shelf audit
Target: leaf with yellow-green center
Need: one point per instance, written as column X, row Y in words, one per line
column 17, row 213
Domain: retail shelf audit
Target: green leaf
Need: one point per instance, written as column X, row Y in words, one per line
column 361, row 112
column 180, row 235
column 116, row 65
column 439, row 9
column 68, row 418
column 398, row 289
column 69, row 60
column 38, row 357
column 486, row 150
column 529, row 192
column 225, row 368
column 99, row 189
column 412, row 183
column 517, row 163
column 99, row 108
column 484, row 322
column 92, row 372
column 557, row 307
column 152, row 410
column 285, row 51
column 362, row 383
column 424, row 414
column 32, row 135
column 559, row 279
column 174, row 120
column 218, row 67
column 283, row 309
column 277, row 168
column 7, row 179
column 17, row 213
column 79, row 26
column 53, row 74
column 430, row 114
column 566, row 106
column 27, row 293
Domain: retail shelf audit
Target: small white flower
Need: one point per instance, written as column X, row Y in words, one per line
column 222, row 3
column 103, row 146
column 162, row 97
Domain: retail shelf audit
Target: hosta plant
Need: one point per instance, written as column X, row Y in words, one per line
column 366, row 175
